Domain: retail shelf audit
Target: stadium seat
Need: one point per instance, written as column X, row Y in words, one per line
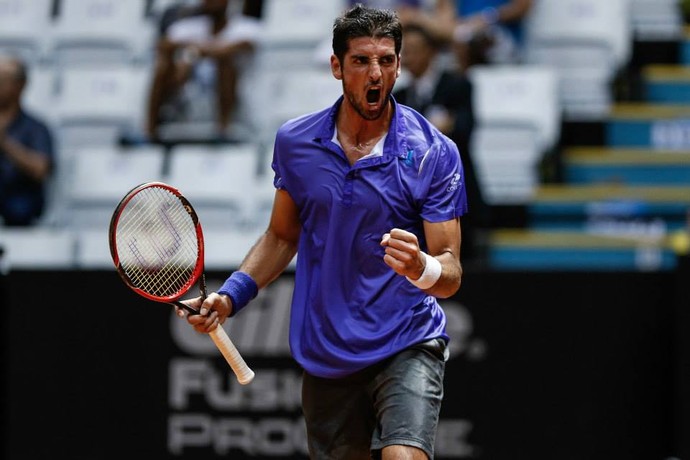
column 657, row 20
column 588, row 42
column 157, row 7
column 95, row 104
column 37, row 248
column 92, row 249
column 518, row 116
column 225, row 248
column 218, row 179
column 295, row 29
column 102, row 31
column 292, row 94
column 264, row 194
column 100, row 177
column 25, row 27
column 40, row 93
column 291, row 22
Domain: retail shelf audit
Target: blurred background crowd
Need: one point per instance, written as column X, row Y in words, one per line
column 572, row 117
column 570, row 332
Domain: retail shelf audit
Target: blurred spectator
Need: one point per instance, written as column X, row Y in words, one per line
column 444, row 97
column 489, row 31
column 481, row 31
column 203, row 46
column 423, row 13
column 26, row 150
column 440, row 94
column 436, row 16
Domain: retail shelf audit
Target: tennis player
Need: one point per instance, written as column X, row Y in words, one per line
column 369, row 196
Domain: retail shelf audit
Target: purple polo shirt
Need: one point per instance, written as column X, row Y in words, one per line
column 349, row 309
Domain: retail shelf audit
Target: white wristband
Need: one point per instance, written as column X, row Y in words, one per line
column 431, row 273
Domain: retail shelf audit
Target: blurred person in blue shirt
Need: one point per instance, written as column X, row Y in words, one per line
column 489, row 31
column 479, row 31
column 26, row 150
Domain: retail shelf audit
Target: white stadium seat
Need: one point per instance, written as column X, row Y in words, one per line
column 25, row 27
column 298, row 22
column 102, row 31
column 217, row 179
column 292, row 94
column 588, row 42
column 225, row 248
column 518, row 115
column 96, row 104
column 102, row 176
column 92, row 249
column 294, row 29
column 657, row 19
column 40, row 93
column 37, row 248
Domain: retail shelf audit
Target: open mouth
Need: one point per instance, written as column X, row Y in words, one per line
column 373, row 95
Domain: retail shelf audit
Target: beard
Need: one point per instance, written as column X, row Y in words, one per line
column 361, row 108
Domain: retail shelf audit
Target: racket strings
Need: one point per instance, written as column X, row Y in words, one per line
column 157, row 243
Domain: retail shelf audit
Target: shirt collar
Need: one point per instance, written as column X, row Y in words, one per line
column 377, row 151
column 392, row 144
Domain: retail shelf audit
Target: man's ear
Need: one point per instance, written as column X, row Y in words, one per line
column 336, row 69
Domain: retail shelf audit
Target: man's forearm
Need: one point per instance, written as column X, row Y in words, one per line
column 268, row 258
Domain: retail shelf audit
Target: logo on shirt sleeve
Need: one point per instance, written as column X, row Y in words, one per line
column 455, row 182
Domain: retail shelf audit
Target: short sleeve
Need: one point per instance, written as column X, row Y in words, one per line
column 446, row 195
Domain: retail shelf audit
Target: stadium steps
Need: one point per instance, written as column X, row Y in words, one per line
column 666, row 83
column 521, row 249
column 623, row 197
column 628, row 208
column 651, row 125
column 632, row 166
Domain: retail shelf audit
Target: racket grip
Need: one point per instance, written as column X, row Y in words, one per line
column 243, row 373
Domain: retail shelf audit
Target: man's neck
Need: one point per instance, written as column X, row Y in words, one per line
column 360, row 130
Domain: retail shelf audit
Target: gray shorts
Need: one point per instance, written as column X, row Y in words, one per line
column 396, row 402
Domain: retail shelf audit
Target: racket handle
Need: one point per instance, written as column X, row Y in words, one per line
column 243, row 373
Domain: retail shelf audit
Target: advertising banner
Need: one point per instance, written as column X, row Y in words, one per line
column 543, row 366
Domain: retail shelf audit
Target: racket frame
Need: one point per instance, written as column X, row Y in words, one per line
column 243, row 373
column 198, row 271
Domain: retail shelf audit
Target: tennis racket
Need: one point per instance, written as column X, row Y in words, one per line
column 157, row 245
